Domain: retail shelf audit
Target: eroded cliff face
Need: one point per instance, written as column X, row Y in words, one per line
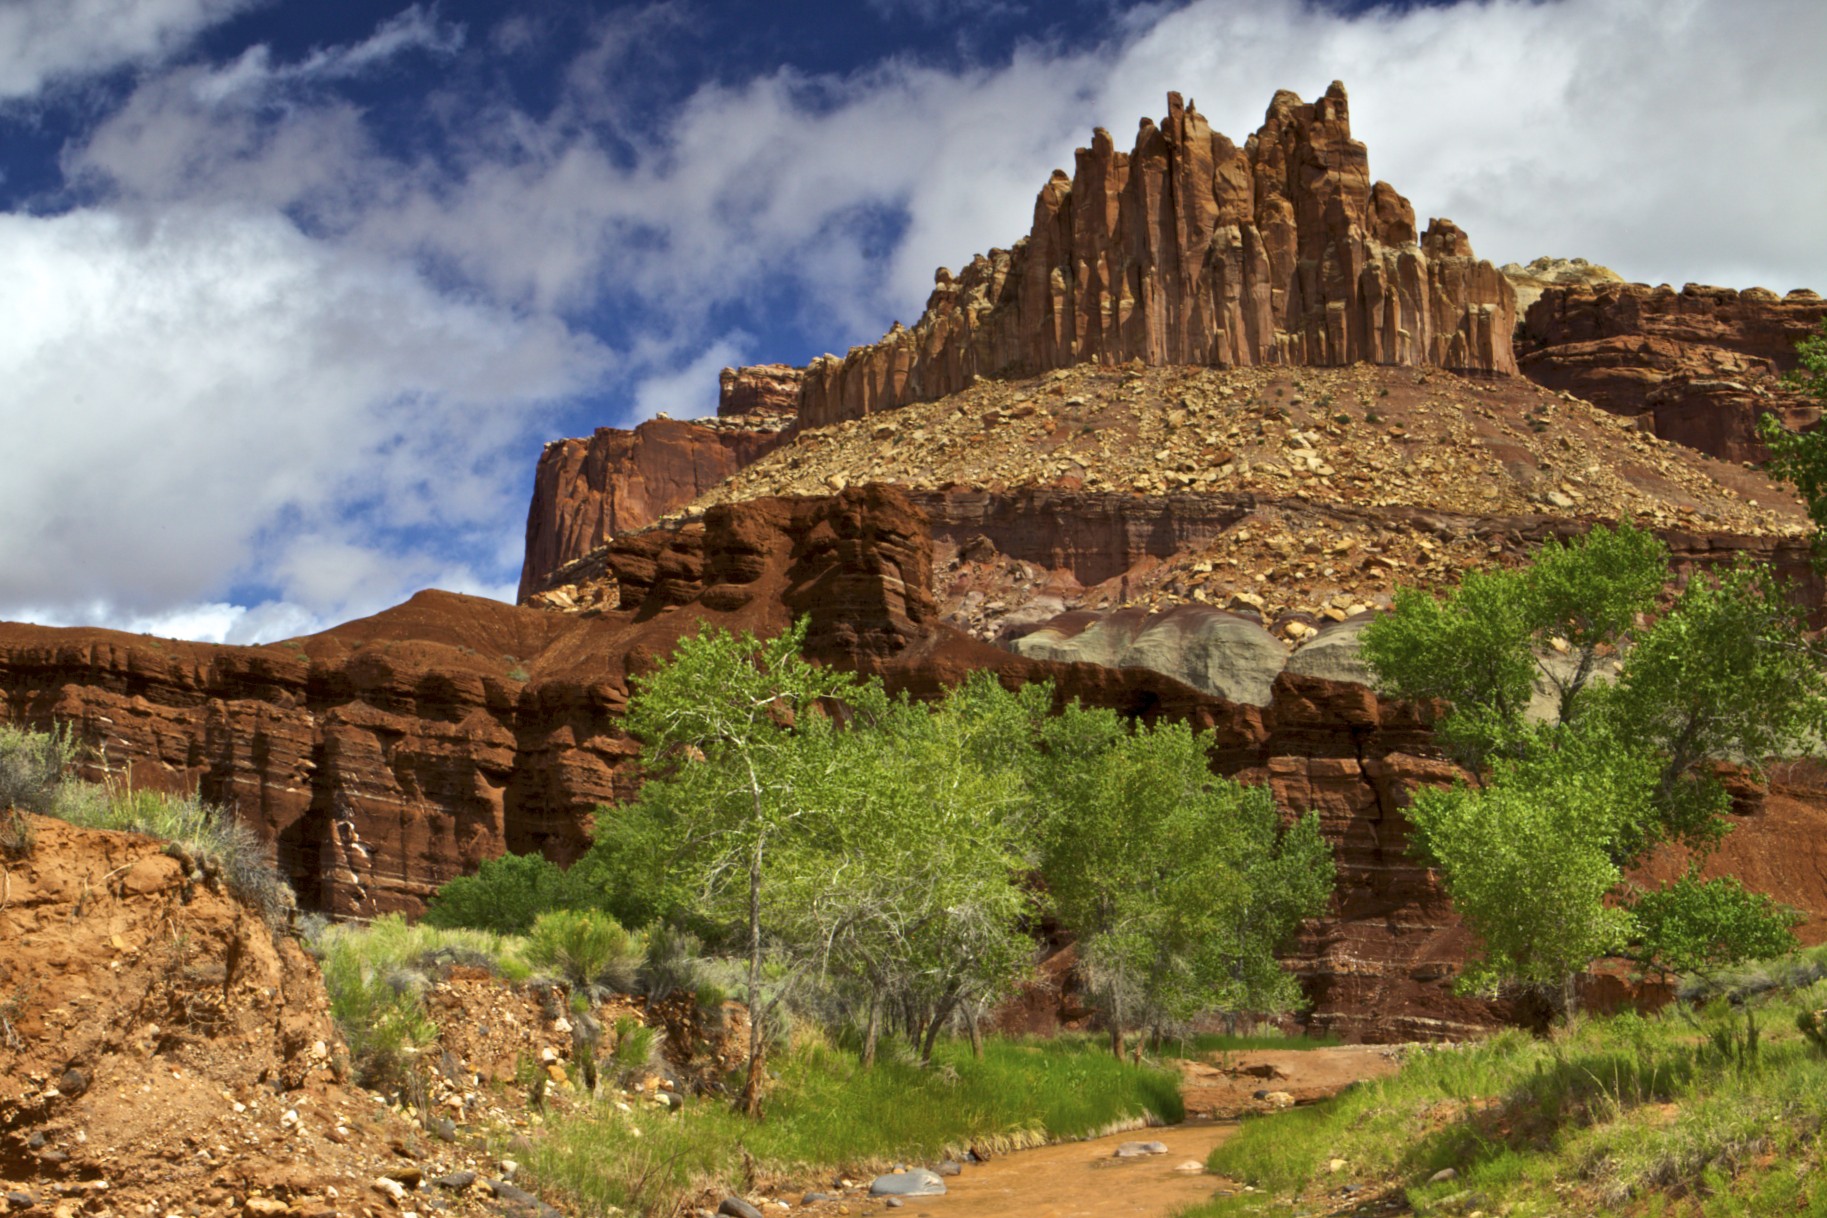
column 1191, row 250
column 1698, row 366
column 389, row 754
column 586, row 491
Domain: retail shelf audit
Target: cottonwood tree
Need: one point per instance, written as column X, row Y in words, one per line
column 1177, row 885
column 1535, row 856
column 731, row 725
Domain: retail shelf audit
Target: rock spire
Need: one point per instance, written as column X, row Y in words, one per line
column 1191, row 250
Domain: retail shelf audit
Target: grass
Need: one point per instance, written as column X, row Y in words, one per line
column 212, row 844
column 1204, row 1044
column 377, row 976
column 1624, row 1114
column 827, row 1113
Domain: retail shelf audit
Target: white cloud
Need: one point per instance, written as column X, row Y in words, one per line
column 254, row 72
column 43, row 42
column 209, row 396
column 219, row 397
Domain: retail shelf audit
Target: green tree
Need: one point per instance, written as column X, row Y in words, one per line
column 1535, row 856
column 1484, row 646
column 724, row 722
column 922, row 902
column 1800, row 457
column 1177, row 885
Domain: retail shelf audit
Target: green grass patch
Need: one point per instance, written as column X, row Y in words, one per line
column 212, row 844
column 827, row 1113
column 377, row 976
column 1612, row 1115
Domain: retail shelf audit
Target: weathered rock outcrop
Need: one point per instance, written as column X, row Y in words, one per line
column 1543, row 273
column 1191, row 250
column 1698, row 366
column 587, row 491
column 765, row 389
column 391, row 753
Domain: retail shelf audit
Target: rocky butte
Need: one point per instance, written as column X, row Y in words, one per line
column 1168, row 452
column 1191, row 250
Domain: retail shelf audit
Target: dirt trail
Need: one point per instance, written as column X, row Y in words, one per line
column 1088, row 1180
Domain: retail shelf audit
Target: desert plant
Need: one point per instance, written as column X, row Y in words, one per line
column 32, row 765
column 636, row 1044
column 588, row 949
column 671, row 964
column 505, row 895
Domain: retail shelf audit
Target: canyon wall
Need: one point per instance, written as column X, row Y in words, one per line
column 586, row 491
column 389, row 754
column 1698, row 366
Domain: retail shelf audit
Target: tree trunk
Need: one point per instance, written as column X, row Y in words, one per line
column 871, row 1030
column 1116, row 1039
column 943, row 1012
column 751, row 1089
column 974, row 1026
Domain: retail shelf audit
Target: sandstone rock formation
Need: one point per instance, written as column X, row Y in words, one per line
column 587, row 491
column 1191, row 250
column 765, row 389
column 389, row 754
column 1543, row 273
column 1219, row 653
column 1696, row 366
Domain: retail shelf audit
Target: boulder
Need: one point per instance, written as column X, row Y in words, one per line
column 915, row 1182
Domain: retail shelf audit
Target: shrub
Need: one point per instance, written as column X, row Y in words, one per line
column 588, row 949
column 31, row 768
column 505, row 895
column 377, row 977
column 671, row 964
column 208, row 840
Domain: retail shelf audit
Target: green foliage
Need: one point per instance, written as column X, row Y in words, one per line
column 1726, row 673
column 32, row 766
column 1483, row 647
column 1607, row 1115
column 671, row 963
column 209, row 840
column 1176, row 884
column 1800, row 457
column 587, row 949
column 1701, row 926
column 506, row 894
column 1534, row 855
column 730, row 724
column 377, row 976
column 635, row 1044
column 1528, row 861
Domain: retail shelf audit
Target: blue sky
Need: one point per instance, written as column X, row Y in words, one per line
column 297, row 290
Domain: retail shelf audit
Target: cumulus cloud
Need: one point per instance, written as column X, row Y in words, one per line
column 203, row 398
column 262, row 276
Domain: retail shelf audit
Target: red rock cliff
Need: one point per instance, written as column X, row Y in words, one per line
column 1191, row 250
column 390, row 754
column 1696, row 366
column 587, row 491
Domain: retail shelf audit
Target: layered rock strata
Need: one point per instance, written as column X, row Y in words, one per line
column 1192, row 250
column 1698, row 366
column 763, row 389
column 389, row 754
column 588, row 490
